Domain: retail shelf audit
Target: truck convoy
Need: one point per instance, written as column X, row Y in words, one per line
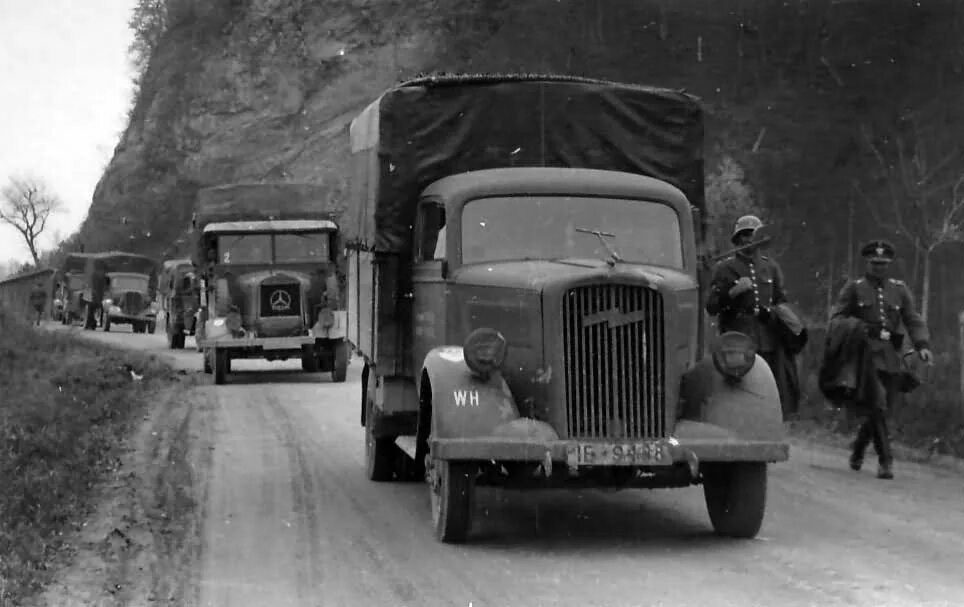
column 523, row 285
column 270, row 267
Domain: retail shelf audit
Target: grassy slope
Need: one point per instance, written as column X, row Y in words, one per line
column 65, row 407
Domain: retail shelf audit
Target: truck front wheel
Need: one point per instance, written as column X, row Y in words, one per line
column 309, row 359
column 452, row 489
column 221, row 365
column 736, row 495
column 381, row 454
column 340, row 370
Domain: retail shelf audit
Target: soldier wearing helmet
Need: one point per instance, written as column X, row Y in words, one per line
column 743, row 291
column 881, row 304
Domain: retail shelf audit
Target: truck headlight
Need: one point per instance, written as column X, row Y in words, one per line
column 233, row 321
column 484, row 351
column 734, row 354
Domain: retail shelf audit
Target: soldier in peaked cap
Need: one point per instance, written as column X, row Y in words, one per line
column 744, row 290
column 882, row 304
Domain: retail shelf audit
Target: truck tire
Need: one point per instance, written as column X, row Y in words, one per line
column 309, row 359
column 340, row 368
column 736, row 495
column 452, row 492
column 381, row 454
column 221, row 366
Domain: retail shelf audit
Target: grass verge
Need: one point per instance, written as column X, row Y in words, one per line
column 66, row 405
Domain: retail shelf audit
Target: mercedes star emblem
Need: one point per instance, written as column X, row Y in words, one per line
column 280, row 301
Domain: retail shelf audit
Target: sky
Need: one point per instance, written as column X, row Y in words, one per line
column 65, row 87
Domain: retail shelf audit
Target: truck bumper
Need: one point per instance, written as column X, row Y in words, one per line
column 129, row 318
column 263, row 343
column 676, row 450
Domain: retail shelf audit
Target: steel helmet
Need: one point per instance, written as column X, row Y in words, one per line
column 747, row 222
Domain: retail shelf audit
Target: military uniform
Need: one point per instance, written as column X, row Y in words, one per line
column 882, row 305
column 38, row 300
column 749, row 311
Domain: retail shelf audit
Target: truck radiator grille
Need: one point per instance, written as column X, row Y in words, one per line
column 280, row 300
column 132, row 303
column 613, row 338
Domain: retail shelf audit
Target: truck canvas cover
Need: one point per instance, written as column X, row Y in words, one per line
column 173, row 268
column 429, row 128
column 75, row 262
column 118, row 261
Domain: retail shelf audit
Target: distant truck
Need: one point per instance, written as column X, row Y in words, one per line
column 70, row 284
column 271, row 268
column 119, row 290
column 179, row 299
column 523, row 284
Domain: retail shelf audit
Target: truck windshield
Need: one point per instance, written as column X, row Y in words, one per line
column 288, row 248
column 128, row 282
column 244, row 248
column 544, row 227
column 293, row 248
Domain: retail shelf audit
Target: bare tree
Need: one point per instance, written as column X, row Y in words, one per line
column 27, row 205
column 925, row 182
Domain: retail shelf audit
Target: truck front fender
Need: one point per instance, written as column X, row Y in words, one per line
column 748, row 409
column 465, row 406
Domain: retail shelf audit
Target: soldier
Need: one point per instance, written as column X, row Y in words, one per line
column 743, row 290
column 881, row 303
column 38, row 300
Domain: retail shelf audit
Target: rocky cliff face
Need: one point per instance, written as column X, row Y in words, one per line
column 265, row 89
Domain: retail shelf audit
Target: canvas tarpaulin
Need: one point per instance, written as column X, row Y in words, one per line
column 427, row 129
column 260, row 202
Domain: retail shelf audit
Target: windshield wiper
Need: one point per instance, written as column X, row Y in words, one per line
column 613, row 255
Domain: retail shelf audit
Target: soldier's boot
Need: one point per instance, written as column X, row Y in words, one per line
column 885, row 471
column 856, row 461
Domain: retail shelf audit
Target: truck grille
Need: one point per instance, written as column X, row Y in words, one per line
column 614, row 361
column 132, row 303
column 280, row 300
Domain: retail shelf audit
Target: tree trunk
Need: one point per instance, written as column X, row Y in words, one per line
column 926, row 287
column 960, row 342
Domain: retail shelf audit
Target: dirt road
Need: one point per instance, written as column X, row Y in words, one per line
column 289, row 519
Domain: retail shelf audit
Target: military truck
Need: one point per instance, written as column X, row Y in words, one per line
column 70, row 285
column 179, row 300
column 523, row 285
column 120, row 290
column 271, row 269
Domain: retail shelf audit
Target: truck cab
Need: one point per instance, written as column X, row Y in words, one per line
column 270, row 290
column 542, row 326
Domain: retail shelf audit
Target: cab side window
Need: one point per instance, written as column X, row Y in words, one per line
column 431, row 232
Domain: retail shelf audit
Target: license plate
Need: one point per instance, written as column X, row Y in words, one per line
column 618, row 454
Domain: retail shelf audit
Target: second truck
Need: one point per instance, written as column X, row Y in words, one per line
column 270, row 266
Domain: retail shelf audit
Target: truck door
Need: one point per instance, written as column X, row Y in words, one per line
column 428, row 281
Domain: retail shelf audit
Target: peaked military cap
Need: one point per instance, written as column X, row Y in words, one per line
column 878, row 250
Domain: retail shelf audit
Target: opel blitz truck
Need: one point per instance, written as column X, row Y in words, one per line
column 179, row 297
column 523, row 287
column 120, row 291
column 270, row 261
